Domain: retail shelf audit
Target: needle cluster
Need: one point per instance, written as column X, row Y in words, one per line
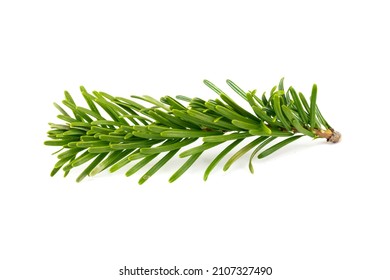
column 113, row 132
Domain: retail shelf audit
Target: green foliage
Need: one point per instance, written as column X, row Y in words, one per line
column 112, row 132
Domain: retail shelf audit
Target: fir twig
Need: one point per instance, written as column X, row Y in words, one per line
column 137, row 132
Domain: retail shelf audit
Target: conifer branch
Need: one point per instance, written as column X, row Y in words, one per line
column 112, row 132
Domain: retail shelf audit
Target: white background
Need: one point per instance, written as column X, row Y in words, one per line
column 312, row 211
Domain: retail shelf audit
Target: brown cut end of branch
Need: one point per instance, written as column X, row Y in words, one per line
column 330, row 135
